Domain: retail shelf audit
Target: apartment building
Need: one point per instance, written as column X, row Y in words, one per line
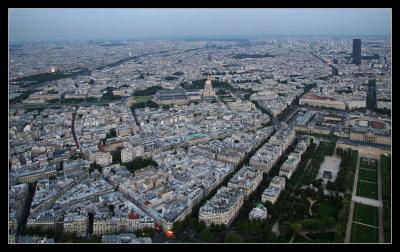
column 266, row 157
column 124, row 222
column 131, row 152
column 322, row 101
column 30, row 176
column 258, row 212
column 223, row 207
column 78, row 223
column 272, row 192
column 289, row 166
column 284, row 137
column 44, row 220
column 247, row 179
column 103, row 159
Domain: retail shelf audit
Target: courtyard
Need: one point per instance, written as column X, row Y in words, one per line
column 331, row 164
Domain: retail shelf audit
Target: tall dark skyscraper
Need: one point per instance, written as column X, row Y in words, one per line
column 357, row 51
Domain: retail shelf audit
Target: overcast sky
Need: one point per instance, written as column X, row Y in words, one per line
column 84, row 24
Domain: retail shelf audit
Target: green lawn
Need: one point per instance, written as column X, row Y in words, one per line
column 327, row 237
column 368, row 190
column 366, row 214
column 368, row 166
column 363, row 234
column 326, row 209
column 142, row 98
column 368, row 175
column 89, row 103
column 29, row 106
column 70, row 102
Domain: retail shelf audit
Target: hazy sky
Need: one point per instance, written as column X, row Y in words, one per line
column 72, row 24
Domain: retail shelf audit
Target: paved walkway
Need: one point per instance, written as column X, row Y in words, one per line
column 350, row 219
column 275, row 228
column 364, row 224
column 367, row 201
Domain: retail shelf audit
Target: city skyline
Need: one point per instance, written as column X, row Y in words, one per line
column 208, row 128
column 148, row 23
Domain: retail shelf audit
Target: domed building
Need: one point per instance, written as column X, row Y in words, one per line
column 181, row 96
column 208, row 89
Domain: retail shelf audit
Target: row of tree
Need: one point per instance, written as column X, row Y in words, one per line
column 246, row 55
column 312, row 224
column 345, row 176
column 386, row 196
column 148, row 91
column 143, row 104
column 40, row 78
column 117, row 62
column 282, row 208
column 139, row 163
column 371, row 96
column 109, row 95
column 324, row 149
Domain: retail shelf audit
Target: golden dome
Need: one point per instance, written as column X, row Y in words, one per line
column 208, row 84
column 208, row 79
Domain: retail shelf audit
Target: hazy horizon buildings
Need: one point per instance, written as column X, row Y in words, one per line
column 60, row 24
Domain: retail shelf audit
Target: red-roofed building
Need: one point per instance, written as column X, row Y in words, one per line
column 321, row 101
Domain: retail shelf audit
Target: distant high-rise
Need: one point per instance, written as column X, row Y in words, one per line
column 357, row 51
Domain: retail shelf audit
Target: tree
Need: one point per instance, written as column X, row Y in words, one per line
column 113, row 132
column 301, row 209
column 74, row 236
column 233, row 238
column 111, row 208
column 116, row 157
column 296, row 227
column 34, row 231
column 148, row 232
column 269, row 206
column 188, row 238
column 317, row 182
column 201, row 226
column 341, row 215
column 338, row 237
column 327, row 222
column 178, row 227
column 252, row 226
column 222, row 227
column 217, row 227
column 192, row 222
column 212, row 227
column 58, row 234
column 243, row 227
column 49, row 233
column 206, row 235
column 320, row 193
column 285, row 228
column 257, row 226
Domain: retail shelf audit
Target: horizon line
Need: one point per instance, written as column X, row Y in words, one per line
column 183, row 37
